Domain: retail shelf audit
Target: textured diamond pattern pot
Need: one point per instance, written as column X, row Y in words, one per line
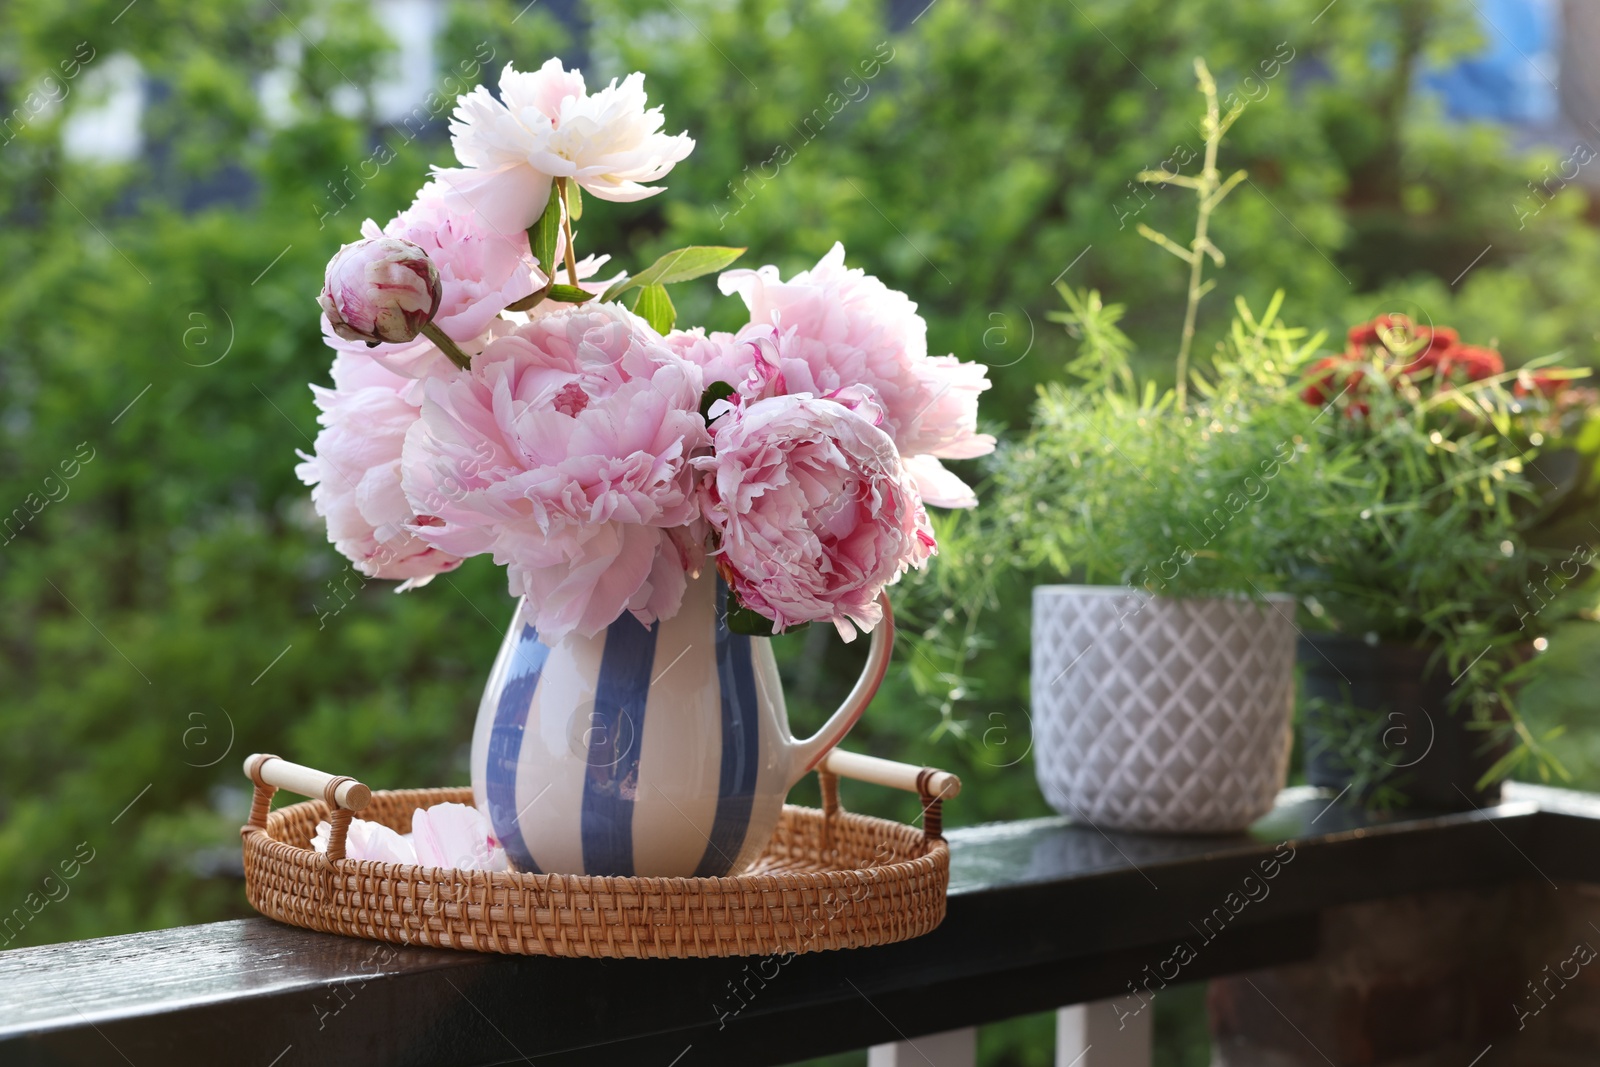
column 1159, row 714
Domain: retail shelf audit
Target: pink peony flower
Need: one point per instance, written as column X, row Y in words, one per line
column 546, row 125
column 420, row 358
column 456, row 836
column 815, row 512
column 741, row 360
column 832, row 327
column 379, row 289
column 564, row 452
column 358, row 370
column 355, row 472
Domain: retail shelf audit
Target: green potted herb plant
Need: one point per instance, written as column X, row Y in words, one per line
column 1162, row 674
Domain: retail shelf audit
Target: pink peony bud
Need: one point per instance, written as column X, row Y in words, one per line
column 380, row 289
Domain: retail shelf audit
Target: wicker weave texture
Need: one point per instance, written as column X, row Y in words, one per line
column 823, row 882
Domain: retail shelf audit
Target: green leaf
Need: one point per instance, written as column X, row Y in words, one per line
column 545, row 233
column 655, row 307
column 1224, row 189
column 1166, row 242
column 714, row 392
column 743, row 620
column 687, row 263
column 574, row 201
column 678, row 266
column 1167, row 177
column 1230, row 118
column 569, row 294
column 1501, row 767
column 530, row 301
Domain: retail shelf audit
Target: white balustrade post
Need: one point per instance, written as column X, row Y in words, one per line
column 1098, row 1035
column 953, row 1048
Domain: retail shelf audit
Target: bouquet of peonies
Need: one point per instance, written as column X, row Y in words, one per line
column 492, row 395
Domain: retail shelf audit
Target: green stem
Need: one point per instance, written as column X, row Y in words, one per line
column 566, row 228
column 1208, row 186
column 447, row 345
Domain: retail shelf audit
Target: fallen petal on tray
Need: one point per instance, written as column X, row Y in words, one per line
column 456, row 835
column 368, row 841
column 445, row 835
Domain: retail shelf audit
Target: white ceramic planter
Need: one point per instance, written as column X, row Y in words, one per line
column 1159, row 714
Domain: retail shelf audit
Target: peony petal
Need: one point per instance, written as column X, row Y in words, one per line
column 367, row 841
column 455, row 836
column 506, row 200
column 937, row 486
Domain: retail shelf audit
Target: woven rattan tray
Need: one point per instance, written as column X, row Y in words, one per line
column 827, row 879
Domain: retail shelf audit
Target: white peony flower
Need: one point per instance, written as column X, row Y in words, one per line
column 546, row 125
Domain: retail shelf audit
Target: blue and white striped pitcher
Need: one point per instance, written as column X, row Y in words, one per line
column 662, row 750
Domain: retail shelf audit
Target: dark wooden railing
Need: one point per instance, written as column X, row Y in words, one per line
column 1043, row 913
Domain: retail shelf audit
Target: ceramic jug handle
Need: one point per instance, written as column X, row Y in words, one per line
column 810, row 752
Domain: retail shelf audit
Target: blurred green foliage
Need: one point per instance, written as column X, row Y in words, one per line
column 162, row 604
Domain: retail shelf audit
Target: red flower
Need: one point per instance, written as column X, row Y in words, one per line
column 1388, row 339
column 1441, row 341
column 1542, row 382
column 1329, row 377
column 1373, row 333
column 1367, row 332
column 1474, row 362
column 1392, row 336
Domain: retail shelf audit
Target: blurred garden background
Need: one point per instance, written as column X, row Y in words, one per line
column 174, row 174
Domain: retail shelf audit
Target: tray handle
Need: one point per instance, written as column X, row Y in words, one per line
column 932, row 786
column 344, row 795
